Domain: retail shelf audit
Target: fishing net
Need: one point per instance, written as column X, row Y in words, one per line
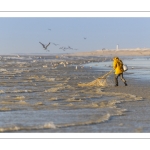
column 101, row 81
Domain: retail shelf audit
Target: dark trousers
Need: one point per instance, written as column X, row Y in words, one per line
column 121, row 76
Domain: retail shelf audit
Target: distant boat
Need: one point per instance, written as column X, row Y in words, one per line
column 44, row 46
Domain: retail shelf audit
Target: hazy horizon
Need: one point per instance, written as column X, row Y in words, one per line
column 74, row 34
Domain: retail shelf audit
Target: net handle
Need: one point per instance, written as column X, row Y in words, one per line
column 105, row 75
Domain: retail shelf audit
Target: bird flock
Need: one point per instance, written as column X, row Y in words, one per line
column 64, row 48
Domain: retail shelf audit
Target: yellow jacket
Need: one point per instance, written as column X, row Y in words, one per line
column 118, row 66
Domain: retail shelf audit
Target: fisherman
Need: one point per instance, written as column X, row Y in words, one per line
column 118, row 67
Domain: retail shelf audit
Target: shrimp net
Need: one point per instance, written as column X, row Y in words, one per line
column 100, row 81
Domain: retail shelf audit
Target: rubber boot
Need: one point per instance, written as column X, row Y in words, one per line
column 116, row 84
column 125, row 83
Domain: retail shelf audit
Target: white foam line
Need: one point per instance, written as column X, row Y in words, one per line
column 18, row 128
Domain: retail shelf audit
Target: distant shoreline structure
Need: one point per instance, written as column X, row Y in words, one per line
column 124, row 49
column 114, row 52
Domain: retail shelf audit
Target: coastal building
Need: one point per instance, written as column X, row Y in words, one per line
column 117, row 47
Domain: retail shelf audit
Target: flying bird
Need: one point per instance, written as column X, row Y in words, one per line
column 44, row 46
column 70, row 47
column 55, row 44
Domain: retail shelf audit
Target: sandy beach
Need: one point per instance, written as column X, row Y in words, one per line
column 44, row 89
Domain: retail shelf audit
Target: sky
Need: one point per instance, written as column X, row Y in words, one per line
column 23, row 34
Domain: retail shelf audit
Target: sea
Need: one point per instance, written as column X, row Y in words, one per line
column 40, row 93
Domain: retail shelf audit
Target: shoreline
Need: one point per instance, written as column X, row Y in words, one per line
column 106, row 52
column 136, row 118
column 113, row 53
column 134, row 115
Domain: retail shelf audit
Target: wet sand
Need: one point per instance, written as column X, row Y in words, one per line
column 52, row 86
column 137, row 87
column 137, row 116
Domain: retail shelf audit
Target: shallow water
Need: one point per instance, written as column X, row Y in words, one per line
column 40, row 94
column 138, row 67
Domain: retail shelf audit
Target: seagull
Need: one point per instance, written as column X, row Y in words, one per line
column 69, row 47
column 55, row 44
column 44, row 46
